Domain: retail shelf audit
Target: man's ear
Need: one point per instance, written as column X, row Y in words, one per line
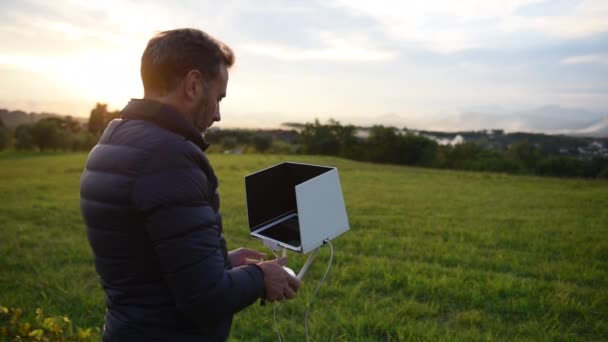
column 192, row 84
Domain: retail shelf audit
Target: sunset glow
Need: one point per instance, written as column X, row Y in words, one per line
column 405, row 63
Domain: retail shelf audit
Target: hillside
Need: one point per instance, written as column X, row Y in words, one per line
column 12, row 119
column 598, row 129
column 552, row 144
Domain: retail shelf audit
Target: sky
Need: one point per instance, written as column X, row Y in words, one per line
column 449, row 65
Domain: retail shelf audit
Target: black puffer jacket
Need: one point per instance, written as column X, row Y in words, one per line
column 150, row 204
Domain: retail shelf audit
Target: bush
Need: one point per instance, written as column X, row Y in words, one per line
column 43, row 328
column 83, row 141
column 331, row 139
column 281, row 147
column 5, row 138
column 23, row 137
column 495, row 164
column 561, row 167
column 262, row 142
column 46, row 134
column 230, row 143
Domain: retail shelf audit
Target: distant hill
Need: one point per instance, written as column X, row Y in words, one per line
column 552, row 118
column 598, row 130
column 549, row 119
column 12, row 119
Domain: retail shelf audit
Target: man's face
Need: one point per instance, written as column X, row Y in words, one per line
column 207, row 105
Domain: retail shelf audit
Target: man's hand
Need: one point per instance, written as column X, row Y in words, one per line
column 245, row 256
column 278, row 283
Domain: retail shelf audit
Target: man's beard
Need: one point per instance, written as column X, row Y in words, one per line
column 202, row 115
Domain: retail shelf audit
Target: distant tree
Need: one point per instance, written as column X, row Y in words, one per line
column 111, row 116
column 243, row 137
column 417, row 150
column 350, row 145
column 262, row 142
column 603, row 174
column 100, row 117
column 283, row 147
column 594, row 167
column 83, row 141
column 229, row 143
column 526, row 154
column 317, row 138
column 462, row 156
column 71, row 124
column 95, row 125
column 46, row 134
column 560, row 167
column 382, row 146
column 23, row 137
column 5, row 136
column 96, row 119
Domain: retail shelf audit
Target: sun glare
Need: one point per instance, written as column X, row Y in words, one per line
column 94, row 76
column 108, row 78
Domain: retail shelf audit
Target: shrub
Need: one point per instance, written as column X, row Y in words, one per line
column 23, row 137
column 262, row 142
column 5, row 138
column 603, row 174
column 561, row 167
column 43, row 328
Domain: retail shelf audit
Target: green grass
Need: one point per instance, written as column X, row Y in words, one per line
column 431, row 255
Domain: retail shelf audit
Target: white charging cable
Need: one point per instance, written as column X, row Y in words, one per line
column 331, row 257
column 274, row 311
column 274, row 320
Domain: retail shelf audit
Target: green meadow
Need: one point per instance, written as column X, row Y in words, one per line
column 431, row 254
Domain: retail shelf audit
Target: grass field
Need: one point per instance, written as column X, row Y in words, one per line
column 431, row 255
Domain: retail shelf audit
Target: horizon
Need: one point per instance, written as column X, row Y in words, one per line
column 288, row 126
column 537, row 66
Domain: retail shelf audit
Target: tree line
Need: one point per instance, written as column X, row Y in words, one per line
column 391, row 145
column 380, row 144
column 58, row 133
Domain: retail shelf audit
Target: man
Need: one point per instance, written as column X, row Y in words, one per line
column 149, row 201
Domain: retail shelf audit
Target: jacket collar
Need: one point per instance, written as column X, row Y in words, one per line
column 164, row 116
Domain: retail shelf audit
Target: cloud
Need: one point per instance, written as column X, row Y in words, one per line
column 548, row 119
column 348, row 59
column 586, row 59
column 332, row 48
column 452, row 26
column 598, row 129
column 581, row 19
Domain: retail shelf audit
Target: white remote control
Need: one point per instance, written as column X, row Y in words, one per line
column 290, row 271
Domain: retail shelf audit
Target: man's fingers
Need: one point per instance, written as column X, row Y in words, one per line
column 278, row 283
column 281, row 261
column 289, row 293
column 293, row 282
column 251, row 254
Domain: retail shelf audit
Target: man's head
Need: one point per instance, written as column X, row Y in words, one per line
column 187, row 69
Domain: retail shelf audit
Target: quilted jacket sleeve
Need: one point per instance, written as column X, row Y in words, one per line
column 174, row 197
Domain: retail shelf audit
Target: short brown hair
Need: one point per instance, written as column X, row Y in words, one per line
column 170, row 55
